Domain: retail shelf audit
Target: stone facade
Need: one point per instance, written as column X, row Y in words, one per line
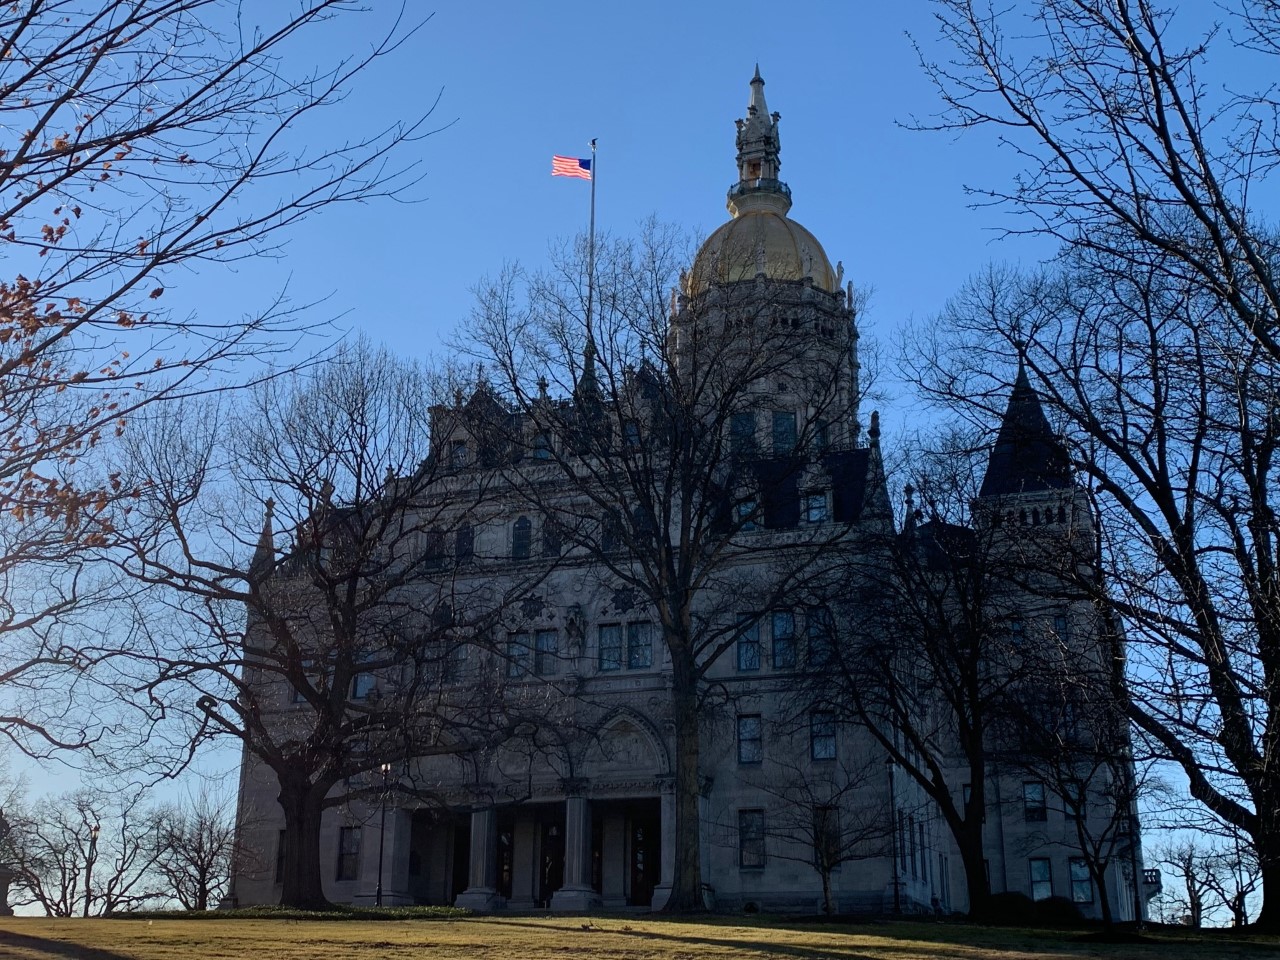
column 589, row 825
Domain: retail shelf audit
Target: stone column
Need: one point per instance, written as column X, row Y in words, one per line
column 662, row 892
column 576, row 895
column 481, row 894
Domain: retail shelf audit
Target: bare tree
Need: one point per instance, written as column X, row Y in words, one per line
column 827, row 815
column 638, row 409
column 196, row 847
column 138, row 138
column 933, row 653
column 1190, row 864
column 1072, row 734
column 1234, row 876
column 1158, row 348
column 1180, row 466
column 346, row 640
column 89, row 852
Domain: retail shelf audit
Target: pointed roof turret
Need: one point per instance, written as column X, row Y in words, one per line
column 264, row 556
column 1027, row 457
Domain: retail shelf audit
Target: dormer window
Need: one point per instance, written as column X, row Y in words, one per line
column 816, row 508
column 742, row 433
column 458, row 454
column 542, row 447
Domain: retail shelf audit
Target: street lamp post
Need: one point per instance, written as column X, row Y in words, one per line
column 385, row 770
column 88, row 867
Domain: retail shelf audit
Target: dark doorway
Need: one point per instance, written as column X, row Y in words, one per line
column 461, row 873
column 644, row 852
column 550, row 860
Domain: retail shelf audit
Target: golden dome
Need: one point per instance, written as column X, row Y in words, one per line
column 761, row 240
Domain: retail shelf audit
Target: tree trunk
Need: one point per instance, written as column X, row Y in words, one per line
column 975, row 873
column 1269, row 917
column 1100, row 881
column 302, row 806
column 686, row 886
column 827, row 906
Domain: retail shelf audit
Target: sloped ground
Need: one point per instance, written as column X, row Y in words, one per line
column 567, row 938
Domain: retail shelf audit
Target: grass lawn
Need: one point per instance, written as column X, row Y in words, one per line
column 568, row 938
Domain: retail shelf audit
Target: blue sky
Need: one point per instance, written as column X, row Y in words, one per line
column 659, row 85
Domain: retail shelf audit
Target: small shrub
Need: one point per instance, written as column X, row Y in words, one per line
column 1058, row 912
column 1011, row 909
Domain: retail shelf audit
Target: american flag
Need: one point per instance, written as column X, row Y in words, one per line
column 571, row 167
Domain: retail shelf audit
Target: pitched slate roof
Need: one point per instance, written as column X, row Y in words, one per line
column 1027, row 457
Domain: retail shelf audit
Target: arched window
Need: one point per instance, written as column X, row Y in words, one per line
column 521, row 538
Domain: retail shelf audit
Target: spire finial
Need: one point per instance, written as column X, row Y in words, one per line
column 265, row 555
column 758, row 163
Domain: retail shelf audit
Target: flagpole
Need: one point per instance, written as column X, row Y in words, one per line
column 591, row 247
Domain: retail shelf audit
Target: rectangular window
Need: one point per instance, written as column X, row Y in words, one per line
column 751, row 838
column 826, row 836
column 750, row 739
column 1033, row 805
column 924, row 852
column 902, row 841
column 1061, row 630
column 639, row 646
column 610, row 533
column 784, row 640
column 748, row 515
column 454, row 667
column 784, row 433
column 521, row 538
column 280, row 857
column 308, row 669
column 517, row 655
column 1081, row 882
column 542, row 447
column 1041, row 879
column 911, row 843
column 546, row 653
column 362, row 684
column 968, row 793
column 815, row 507
column 749, row 647
column 1073, row 799
column 464, row 543
column 821, row 437
column 821, row 635
column 348, row 853
column 1017, row 630
column 822, row 735
column 611, row 646
column 742, row 433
